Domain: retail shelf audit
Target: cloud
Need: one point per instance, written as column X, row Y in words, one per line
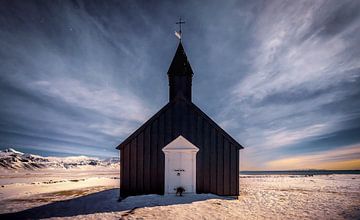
column 99, row 98
column 69, row 79
column 284, row 59
column 275, row 74
column 283, row 137
column 341, row 158
column 295, row 72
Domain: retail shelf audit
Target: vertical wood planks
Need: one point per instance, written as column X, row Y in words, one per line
column 121, row 152
column 206, row 158
column 161, row 156
column 154, row 155
column 220, row 164
column 233, row 169
column 237, row 172
column 147, row 161
column 213, row 159
column 199, row 167
column 140, row 163
column 227, row 159
column 133, row 168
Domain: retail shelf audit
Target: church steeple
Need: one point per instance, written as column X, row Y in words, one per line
column 180, row 76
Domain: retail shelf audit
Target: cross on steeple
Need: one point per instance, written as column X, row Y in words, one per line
column 180, row 22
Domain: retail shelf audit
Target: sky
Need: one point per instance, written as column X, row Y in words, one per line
column 282, row 77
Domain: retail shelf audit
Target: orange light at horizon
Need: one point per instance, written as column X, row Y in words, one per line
column 345, row 158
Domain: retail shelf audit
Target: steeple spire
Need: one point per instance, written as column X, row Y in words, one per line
column 180, row 64
column 180, row 75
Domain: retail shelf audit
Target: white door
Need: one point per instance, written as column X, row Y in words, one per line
column 180, row 171
column 180, row 165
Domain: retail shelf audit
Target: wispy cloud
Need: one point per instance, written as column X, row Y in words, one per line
column 99, row 98
column 68, row 80
column 283, row 137
column 296, row 72
column 276, row 74
column 341, row 158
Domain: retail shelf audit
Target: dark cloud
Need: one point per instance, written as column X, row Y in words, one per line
column 300, row 93
column 333, row 140
column 84, row 74
column 333, row 22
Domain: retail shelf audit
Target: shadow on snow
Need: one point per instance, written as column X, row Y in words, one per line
column 104, row 201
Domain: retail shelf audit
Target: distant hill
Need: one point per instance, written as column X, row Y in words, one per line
column 13, row 159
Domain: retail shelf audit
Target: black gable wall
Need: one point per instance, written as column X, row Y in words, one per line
column 143, row 162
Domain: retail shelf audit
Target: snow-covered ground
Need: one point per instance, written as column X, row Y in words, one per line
column 25, row 189
column 93, row 194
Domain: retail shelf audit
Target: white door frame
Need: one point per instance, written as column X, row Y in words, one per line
column 180, row 144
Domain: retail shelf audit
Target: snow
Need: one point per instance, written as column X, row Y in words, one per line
column 11, row 150
column 261, row 197
column 39, row 187
column 11, row 160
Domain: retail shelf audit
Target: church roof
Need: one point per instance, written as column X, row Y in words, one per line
column 180, row 64
column 175, row 107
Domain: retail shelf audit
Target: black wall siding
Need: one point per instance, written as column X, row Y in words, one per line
column 140, row 163
column 193, row 127
column 220, row 163
column 125, row 182
column 185, row 120
column 233, row 173
column 237, row 171
column 206, row 158
column 133, row 169
column 147, row 160
column 174, row 122
column 121, row 154
column 227, row 180
column 154, row 155
column 160, row 156
column 168, row 126
column 213, row 159
column 143, row 162
column 199, row 155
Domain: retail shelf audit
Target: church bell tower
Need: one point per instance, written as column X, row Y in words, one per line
column 180, row 73
column 180, row 76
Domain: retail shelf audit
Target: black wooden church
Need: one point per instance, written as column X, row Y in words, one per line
column 180, row 146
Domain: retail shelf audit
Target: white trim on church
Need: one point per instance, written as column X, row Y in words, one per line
column 180, row 165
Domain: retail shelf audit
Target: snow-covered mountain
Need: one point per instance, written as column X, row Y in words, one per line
column 12, row 159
